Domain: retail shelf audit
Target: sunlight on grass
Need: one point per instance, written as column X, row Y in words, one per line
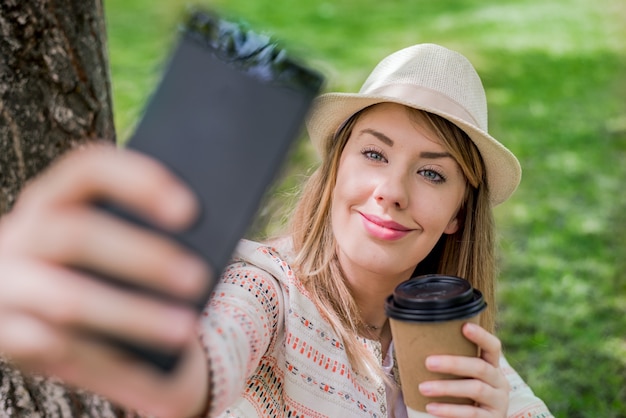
column 546, row 26
column 616, row 348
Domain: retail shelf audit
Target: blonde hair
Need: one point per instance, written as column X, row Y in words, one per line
column 469, row 253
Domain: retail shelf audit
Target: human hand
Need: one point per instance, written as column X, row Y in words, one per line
column 483, row 381
column 46, row 304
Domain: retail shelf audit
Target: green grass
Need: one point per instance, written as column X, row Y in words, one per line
column 554, row 74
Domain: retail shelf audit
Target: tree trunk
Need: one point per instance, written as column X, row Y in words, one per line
column 54, row 95
column 54, row 85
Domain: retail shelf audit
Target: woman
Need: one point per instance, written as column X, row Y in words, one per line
column 295, row 327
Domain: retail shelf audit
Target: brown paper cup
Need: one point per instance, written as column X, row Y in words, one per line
column 414, row 341
column 426, row 315
column 412, row 413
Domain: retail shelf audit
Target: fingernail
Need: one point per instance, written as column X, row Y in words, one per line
column 432, row 408
column 470, row 327
column 180, row 206
column 433, row 362
column 425, row 388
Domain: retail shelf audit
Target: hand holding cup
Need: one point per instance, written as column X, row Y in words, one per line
column 447, row 362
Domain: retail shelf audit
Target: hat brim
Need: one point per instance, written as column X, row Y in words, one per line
column 329, row 111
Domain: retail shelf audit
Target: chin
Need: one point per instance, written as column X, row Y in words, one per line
column 379, row 263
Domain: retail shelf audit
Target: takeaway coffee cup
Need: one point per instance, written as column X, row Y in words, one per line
column 426, row 314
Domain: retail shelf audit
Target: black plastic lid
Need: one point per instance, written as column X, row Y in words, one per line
column 434, row 298
column 433, row 291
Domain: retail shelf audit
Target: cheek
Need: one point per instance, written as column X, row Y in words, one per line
column 349, row 194
column 343, row 199
column 348, row 187
column 438, row 214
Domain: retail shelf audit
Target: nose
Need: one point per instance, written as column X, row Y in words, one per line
column 392, row 191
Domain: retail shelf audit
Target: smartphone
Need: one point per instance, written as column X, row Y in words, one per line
column 222, row 118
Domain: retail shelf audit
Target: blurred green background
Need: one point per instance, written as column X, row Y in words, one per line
column 555, row 76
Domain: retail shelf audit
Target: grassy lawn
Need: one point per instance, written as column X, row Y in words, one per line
column 555, row 75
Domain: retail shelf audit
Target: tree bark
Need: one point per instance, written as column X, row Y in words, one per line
column 54, row 85
column 54, row 95
column 27, row 396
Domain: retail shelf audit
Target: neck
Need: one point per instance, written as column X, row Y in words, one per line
column 382, row 335
column 370, row 291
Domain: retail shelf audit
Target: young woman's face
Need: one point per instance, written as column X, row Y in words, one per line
column 398, row 190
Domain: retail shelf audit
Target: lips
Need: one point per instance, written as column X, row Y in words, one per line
column 384, row 229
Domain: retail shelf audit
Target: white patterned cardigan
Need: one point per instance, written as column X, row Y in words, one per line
column 273, row 355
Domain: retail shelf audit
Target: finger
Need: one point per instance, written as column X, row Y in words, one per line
column 66, row 299
column 490, row 345
column 136, row 384
column 473, row 389
column 128, row 178
column 29, row 342
column 86, row 238
column 104, row 370
column 468, row 367
column 455, row 411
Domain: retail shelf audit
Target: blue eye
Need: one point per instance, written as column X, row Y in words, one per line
column 432, row 176
column 373, row 155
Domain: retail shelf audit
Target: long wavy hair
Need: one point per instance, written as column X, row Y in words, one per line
column 468, row 253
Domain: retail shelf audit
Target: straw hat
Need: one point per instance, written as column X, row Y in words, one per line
column 434, row 79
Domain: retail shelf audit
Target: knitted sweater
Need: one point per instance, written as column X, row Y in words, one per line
column 272, row 354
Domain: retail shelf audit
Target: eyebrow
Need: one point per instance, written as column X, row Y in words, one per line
column 424, row 154
column 435, row 155
column 384, row 138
